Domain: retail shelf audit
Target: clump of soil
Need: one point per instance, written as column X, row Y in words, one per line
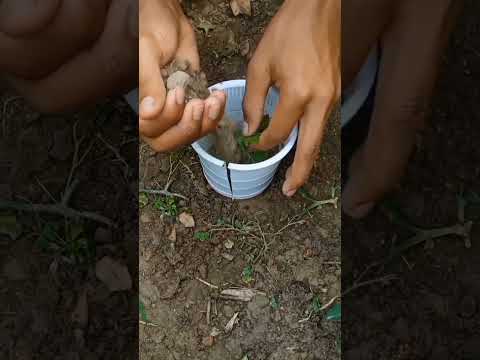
column 229, row 145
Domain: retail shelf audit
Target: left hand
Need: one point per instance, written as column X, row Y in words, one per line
column 70, row 53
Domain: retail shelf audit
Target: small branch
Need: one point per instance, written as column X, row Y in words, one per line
column 318, row 203
column 208, row 284
column 115, row 151
column 163, row 192
column 209, row 309
column 69, row 191
column 56, row 209
column 147, row 323
column 328, row 304
column 354, row 287
column 369, row 282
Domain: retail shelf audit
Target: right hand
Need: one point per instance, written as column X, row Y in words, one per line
column 299, row 54
column 165, row 121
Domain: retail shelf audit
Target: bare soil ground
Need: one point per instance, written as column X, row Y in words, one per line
column 431, row 309
column 271, row 244
column 53, row 305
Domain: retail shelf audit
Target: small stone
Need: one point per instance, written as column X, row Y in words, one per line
column 227, row 257
column 229, row 244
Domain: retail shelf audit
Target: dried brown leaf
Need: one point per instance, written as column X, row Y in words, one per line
column 187, row 220
column 113, row 274
column 241, row 7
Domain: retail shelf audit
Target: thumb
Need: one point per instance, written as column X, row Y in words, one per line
column 258, row 83
column 152, row 89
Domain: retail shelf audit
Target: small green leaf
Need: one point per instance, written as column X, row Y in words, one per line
column 335, row 313
column 247, row 274
column 275, row 302
column 142, row 311
column 47, row 237
column 142, row 200
column 202, row 235
column 316, row 305
column 259, row 156
column 167, row 206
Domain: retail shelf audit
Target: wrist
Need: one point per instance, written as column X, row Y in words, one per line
column 318, row 7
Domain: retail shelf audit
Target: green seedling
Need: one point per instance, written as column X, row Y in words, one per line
column 247, row 274
column 142, row 311
column 275, row 302
column 202, row 235
column 335, row 313
column 316, row 305
column 245, row 142
column 167, row 206
column 48, row 237
column 142, row 200
column 77, row 247
column 73, row 245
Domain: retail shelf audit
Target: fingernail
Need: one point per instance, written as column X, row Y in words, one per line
column 148, row 103
column 198, row 112
column 179, row 96
column 213, row 111
column 287, row 190
column 245, row 129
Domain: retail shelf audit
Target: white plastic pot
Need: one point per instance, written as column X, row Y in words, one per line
column 357, row 93
column 241, row 181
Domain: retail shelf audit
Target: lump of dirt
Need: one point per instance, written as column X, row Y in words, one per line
column 179, row 74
